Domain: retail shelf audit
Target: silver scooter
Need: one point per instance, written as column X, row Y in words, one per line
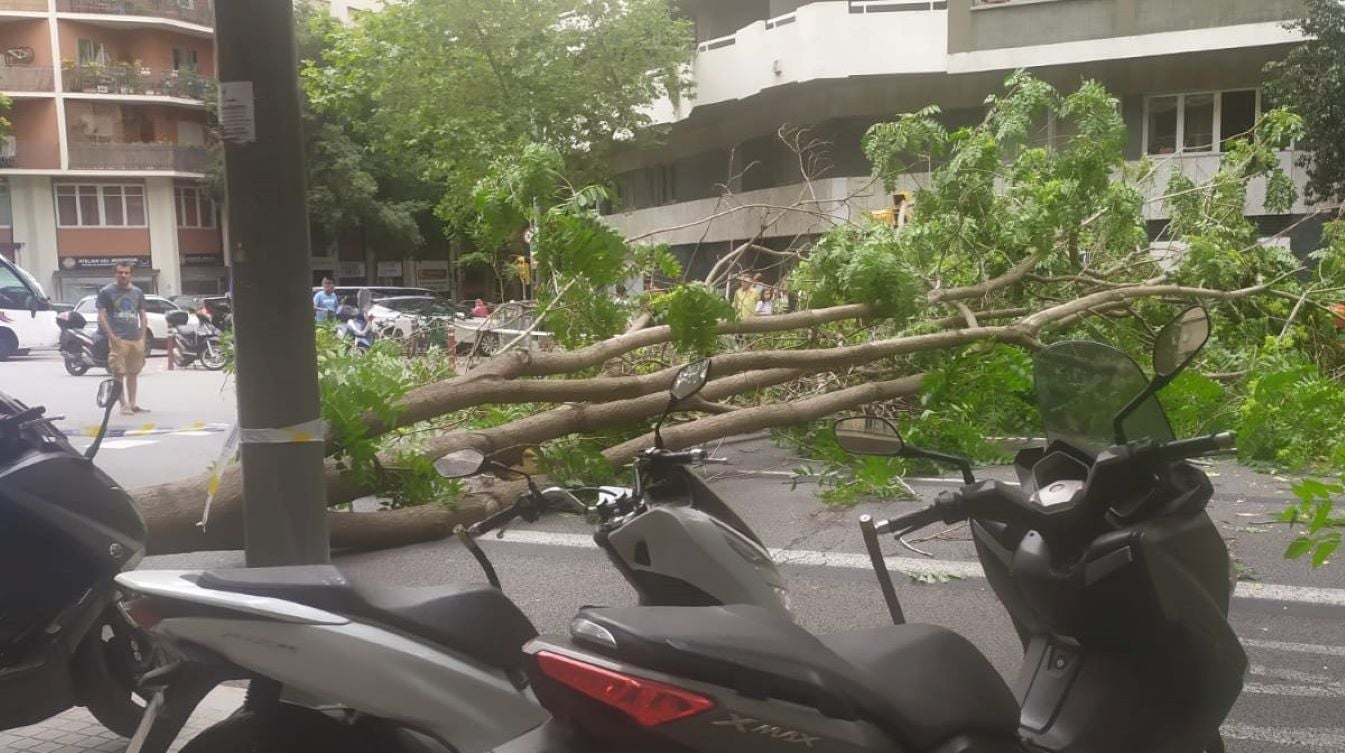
column 341, row 666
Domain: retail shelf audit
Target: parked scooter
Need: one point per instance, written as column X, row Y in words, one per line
column 397, row 670
column 65, row 530
column 198, row 342
column 80, row 350
column 1114, row 575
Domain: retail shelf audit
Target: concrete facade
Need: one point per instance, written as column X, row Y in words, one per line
column 836, row 67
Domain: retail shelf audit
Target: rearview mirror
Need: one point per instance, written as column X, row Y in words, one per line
column 691, row 379
column 460, row 464
column 1179, row 341
column 108, row 392
column 868, row 435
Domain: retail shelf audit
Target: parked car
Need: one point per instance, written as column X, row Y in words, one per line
column 408, row 315
column 506, row 322
column 156, row 307
column 27, row 319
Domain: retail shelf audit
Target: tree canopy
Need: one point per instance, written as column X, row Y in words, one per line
column 446, row 87
column 1311, row 81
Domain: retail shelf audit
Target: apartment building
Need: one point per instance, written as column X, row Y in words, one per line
column 107, row 148
column 1187, row 72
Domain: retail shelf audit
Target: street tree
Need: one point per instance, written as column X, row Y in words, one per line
column 1013, row 244
column 1311, row 81
column 454, row 84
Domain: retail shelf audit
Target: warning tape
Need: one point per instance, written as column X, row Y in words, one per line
column 309, row 431
column 146, row 430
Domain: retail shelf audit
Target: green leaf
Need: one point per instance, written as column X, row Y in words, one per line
column 1298, row 547
column 1324, row 549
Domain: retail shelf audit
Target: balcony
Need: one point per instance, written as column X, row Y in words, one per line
column 165, row 157
column 197, row 12
column 22, row 154
column 822, row 40
column 26, row 78
column 127, row 79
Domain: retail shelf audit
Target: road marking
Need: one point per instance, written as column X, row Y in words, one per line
column 126, row 444
column 1333, row 597
column 1297, row 648
column 1316, row 740
column 1305, row 684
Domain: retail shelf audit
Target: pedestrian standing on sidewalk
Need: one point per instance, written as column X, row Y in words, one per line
column 121, row 315
column 325, row 302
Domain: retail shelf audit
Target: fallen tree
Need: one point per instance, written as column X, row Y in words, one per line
column 1012, row 246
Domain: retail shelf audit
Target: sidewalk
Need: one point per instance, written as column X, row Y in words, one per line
column 76, row 731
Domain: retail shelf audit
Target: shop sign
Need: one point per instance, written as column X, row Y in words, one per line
column 351, row 269
column 389, row 269
column 70, row 263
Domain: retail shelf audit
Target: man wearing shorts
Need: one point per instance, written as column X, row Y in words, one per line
column 121, row 315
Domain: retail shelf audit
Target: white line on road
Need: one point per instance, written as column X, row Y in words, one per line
column 1304, row 684
column 1317, row 740
column 1333, row 597
column 1297, row 648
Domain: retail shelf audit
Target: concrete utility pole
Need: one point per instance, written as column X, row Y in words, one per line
column 284, row 496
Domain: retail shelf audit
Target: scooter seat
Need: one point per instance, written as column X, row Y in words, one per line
column 922, row 684
column 475, row 620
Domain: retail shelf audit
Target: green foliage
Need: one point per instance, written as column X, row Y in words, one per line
column 460, row 83
column 1315, row 510
column 692, row 311
column 1292, row 417
column 844, row 479
column 1311, row 81
column 351, row 184
column 576, row 461
column 862, row 265
column 972, row 395
column 5, row 124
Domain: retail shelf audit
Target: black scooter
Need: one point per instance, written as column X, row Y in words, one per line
column 1115, row 577
column 66, row 530
column 80, row 350
column 195, row 343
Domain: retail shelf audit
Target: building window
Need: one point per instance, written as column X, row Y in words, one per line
column 92, row 52
column 1198, row 122
column 195, row 208
column 100, row 205
column 6, row 212
column 184, row 59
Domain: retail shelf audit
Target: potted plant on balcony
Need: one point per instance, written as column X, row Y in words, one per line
column 121, row 74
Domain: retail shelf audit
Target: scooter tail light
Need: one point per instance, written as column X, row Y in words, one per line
column 648, row 702
column 143, row 612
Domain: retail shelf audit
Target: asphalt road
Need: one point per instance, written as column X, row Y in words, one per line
column 1292, row 622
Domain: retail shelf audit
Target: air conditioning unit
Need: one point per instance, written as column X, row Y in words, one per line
column 9, row 147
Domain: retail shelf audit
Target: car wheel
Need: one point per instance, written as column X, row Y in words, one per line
column 9, row 344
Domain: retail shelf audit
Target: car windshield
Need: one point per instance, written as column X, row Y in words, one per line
column 1081, row 386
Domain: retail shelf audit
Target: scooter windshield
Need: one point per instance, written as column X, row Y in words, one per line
column 1081, row 386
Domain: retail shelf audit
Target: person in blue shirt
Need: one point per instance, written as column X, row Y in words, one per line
column 325, row 301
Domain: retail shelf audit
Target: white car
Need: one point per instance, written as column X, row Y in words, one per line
column 407, row 315
column 156, row 309
column 27, row 318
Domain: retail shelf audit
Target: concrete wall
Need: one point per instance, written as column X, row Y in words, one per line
column 1025, row 23
column 35, row 226
column 34, row 34
column 35, row 130
column 102, row 241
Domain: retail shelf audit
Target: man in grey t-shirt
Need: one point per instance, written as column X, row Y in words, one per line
column 121, row 316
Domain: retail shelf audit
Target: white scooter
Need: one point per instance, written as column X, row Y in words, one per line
column 338, row 667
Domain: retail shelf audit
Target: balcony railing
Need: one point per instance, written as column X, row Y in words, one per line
column 25, row 78
column 191, row 11
column 22, row 154
column 124, row 78
column 170, row 157
column 36, row 6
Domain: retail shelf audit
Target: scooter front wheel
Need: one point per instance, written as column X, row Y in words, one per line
column 284, row 729
column 211, row 356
